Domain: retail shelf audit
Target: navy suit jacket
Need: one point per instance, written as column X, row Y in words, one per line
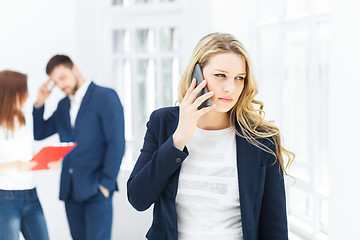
column 154, row 180
column 99, row 134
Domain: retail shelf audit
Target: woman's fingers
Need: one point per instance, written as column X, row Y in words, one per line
column 191, row 97
column 191, row 88
column 190, row 114
column 198, row 101
column 194, row 93
column 206, row 109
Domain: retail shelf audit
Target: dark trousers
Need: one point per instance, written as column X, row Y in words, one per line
column 90, row 219
column 20, row 211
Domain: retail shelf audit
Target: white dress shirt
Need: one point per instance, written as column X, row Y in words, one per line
column 75, row 101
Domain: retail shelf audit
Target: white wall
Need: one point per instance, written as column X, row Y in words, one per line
column 234, row 17
column 344, row 117
column 33, row 31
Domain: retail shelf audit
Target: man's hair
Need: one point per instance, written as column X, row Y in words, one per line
column 58, row 60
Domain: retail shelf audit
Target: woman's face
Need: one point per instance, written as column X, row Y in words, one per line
column 225, row 75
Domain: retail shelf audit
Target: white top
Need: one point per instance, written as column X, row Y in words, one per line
column 75, row 101
column 16, row 147
column 207, row 202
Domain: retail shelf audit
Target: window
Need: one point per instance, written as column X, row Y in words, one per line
column 293, row 42
column 126, row 3
column 146, row 64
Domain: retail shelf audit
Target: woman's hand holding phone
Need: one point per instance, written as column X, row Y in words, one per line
column 190, row 114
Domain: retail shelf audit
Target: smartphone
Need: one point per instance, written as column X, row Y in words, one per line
column 197, row 73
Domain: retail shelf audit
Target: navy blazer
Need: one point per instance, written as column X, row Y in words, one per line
column 99, row 134
column 154, row 180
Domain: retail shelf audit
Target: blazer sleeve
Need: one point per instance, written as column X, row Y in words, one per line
column 154, row 168
column 43, row 128
column 273, row 219
column 112, row 120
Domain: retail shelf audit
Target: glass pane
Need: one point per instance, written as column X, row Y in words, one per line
column 268, row 9
column 121, row 2
column 151, row 91
column 117, row 2
column 299, row 204
column 292, row 236
column 145, row 40
column 140, row 115
column 296, row 7
column 324, row 35
column 295, row 104
column 175, row 78
column 144, row 1
column 166, row 84
column 128, row 162
column 324, row 216
column 269, row 47
column 127, row 93
column 320, row 5
column 169, row 39
column 117, row 72
column 121, row 41
column 324, row 69
column 122, row 75
column 269, row 58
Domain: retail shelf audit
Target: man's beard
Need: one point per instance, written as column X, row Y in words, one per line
column 76, row 87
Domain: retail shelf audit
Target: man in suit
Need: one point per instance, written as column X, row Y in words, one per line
column 92, row 116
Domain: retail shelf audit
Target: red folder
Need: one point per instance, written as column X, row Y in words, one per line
column 51, row 154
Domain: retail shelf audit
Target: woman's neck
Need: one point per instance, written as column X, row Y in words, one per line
column 214, row 121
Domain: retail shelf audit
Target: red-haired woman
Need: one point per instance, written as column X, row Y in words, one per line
column 20, row 209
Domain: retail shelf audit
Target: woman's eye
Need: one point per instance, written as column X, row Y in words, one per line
column 239, row 78
column 220, row 75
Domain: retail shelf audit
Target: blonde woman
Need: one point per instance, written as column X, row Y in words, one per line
column 216, row 172
column 20, row 209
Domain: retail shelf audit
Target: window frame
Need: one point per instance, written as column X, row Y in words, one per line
column 132, row 18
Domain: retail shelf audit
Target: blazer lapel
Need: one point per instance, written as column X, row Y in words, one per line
column 172, row 121
column 171, row 125
column 248, row 166
column 66, row 114
column 84, row 103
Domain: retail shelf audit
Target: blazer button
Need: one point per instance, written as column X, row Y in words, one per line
column 178, row 160
column 70, row 170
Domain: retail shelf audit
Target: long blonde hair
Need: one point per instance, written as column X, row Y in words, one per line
column 250, row 119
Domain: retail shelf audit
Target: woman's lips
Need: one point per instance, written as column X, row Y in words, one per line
column 226, row 100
